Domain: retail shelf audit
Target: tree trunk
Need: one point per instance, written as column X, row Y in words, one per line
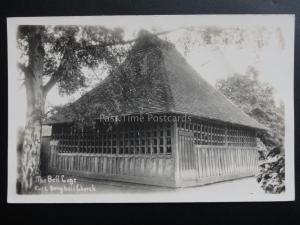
column 30, row 157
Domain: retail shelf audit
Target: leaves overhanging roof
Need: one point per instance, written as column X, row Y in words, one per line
column 155, row 78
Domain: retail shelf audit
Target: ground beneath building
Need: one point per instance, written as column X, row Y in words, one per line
column 244, row 188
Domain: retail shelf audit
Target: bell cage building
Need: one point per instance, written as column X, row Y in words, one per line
column 158, row 122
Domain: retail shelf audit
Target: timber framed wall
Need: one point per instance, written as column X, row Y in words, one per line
column 173, row 154
column 210, row 152
column 134, row 152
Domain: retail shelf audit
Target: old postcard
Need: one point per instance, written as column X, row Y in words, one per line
column 181, row 108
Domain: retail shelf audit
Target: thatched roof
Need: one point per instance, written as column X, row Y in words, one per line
column 155, row 78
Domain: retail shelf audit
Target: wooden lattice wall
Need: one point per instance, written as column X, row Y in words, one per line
column 127, row 138
column 136, row 152
column 210, row 133
column 169, row 154
column 209, row 152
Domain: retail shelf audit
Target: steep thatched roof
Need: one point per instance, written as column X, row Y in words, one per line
column 155, row 78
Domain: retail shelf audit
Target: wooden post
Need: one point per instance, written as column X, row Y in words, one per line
column 175, row 154
column 226, row 136
column 255, row 139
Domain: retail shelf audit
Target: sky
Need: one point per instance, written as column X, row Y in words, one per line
column 274, row 61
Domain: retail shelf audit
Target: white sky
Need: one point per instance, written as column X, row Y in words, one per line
column 211, row 61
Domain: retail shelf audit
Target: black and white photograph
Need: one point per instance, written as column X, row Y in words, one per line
column 162, row 108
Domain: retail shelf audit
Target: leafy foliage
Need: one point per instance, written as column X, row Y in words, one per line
column 257, row 100
column 272, row 170
column 68, row 49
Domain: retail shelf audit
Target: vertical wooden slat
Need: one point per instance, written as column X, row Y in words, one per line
column 197, row 165
column 183, row 154
column 224, row 165
column 199, row 162
column 185, row 158
column 204, row 167
column 211, row 163
column 206, row 162
column 187, row 152
column 218, row 162
column 227, row 162
column 203, row 162
column 187, row 149
column 210, row 160
column 232, row 160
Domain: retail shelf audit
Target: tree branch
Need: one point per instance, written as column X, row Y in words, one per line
column 25, row 69
column 49, row 85
column 55, row 76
